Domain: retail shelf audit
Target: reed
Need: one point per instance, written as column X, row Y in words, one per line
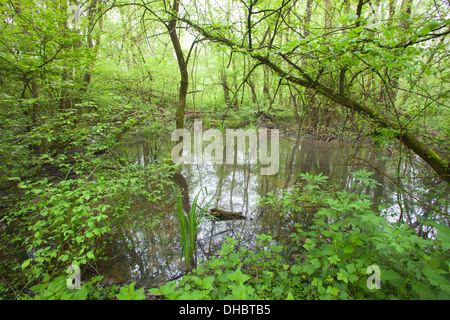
column 189, row 224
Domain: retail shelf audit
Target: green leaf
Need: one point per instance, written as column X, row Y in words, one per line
column 423, row 291
column 26, row 263
column 296, row 269
column 352, row 278
column 342, row 276
column 424, row 31
column 349, row 249
column 36, row 191
column 350, row 268
column 433, row 24
column 208, row 283
column 334, row 259
column 238, row 276
column 315, row 262
column 81, row 294
column 393, row 277
column 444, row 235
column 435, row 275
column 352, row 17
column 154, row 291
column 290, row 296
column 238, row 291
column 308, row 268
column 314, row 44
column 128, row 293
column 328, row 250
column 333, row 291
column 139, row 294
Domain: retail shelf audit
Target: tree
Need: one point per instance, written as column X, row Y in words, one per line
column 184, row 82
column 363, row 57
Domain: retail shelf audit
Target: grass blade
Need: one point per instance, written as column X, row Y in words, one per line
column 189, row 225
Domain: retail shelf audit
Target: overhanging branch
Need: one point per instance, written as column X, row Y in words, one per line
column 439, row 165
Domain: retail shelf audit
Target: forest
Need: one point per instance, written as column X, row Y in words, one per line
column 353, row 94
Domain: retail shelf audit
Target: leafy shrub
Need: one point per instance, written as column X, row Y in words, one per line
column 56, row 225
column 129, row 293
column 235, row 274
column 57, row 289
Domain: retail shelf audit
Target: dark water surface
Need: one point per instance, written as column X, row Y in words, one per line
column 149, row 251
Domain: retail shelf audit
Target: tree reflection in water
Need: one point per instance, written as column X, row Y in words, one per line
column 150, row 252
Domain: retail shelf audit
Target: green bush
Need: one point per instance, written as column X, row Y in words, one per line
column 56, row 225
column 235, row 274
column 57, row 289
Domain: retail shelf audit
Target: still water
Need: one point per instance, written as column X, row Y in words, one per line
column 149, row 251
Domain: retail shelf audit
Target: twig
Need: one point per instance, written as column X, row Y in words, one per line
column 218, row 233
column 9, row 286
column 177, row 277
column 401, row 187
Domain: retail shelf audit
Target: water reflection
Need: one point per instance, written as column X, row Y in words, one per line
column 150, row 252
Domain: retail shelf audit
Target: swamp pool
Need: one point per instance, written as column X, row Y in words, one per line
column 148, row 250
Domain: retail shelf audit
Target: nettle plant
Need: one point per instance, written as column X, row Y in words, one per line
column 330, row 259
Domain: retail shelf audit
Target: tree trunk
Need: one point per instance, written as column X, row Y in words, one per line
column 307, row 19
column 252, row 88
column 34, row 89
column 406, row 14
column 184, row 83
column 226, row 89
column 266, row 85
column 93, row 10
column 391, row 12
column 359, row 11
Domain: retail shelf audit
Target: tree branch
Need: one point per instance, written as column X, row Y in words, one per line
column 439, row 165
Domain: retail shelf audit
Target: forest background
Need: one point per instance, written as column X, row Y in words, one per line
column 79, row 78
